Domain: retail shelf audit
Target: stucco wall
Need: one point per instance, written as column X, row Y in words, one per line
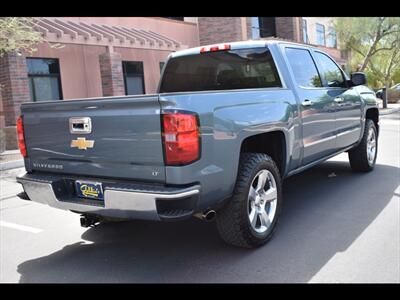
column 79, row 64
column 79, row 68
column 151, row 64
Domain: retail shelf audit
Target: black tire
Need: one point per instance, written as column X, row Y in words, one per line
column 358, row 156
column 233, row 219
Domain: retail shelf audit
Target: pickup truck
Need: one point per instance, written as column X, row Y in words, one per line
column 228, row 124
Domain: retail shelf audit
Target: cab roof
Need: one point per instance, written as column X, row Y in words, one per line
column 237, row 45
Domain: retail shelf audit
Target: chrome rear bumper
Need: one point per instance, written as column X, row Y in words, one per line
column 122, row 201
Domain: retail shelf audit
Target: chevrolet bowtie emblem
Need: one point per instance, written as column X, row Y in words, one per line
column 82, row 143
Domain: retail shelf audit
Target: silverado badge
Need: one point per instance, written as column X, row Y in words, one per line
column 81, row 143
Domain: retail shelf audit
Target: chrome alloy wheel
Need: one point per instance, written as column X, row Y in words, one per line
column 262, row 201
column 371, row 146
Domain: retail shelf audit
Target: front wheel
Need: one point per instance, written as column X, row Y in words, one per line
column 363, row 157
column 250, row 217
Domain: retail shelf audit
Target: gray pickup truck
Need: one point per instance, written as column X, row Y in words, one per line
column 228, row 124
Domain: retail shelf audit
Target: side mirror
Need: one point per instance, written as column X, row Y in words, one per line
column 358, row 78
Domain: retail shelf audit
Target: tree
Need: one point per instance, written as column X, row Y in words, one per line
column 396, row 76
column 367, row 36
column 386, row 64
column 17, row 34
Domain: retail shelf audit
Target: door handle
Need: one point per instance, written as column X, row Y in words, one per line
column 307, row 102
column 80, row 125
column 338, row 100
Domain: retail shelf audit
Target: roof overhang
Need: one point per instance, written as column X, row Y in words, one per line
column 64, row 31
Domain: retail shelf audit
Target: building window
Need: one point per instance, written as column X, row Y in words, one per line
column 305, row 34
column 255, row 28
column 320, row 34
column 267, row 26
column 133, row 77
column 162, row 63
column 332, row 38
column 176, row 18
column 44, row 79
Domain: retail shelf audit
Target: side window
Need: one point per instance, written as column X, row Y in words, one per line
column 303, row 67
column 330, row 72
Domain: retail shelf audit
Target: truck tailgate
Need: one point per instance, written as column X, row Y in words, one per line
column 125, row 131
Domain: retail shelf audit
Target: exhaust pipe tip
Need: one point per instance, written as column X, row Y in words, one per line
column 208, row 216
column 89, row 221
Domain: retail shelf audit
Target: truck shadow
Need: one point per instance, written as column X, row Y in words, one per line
column 322, row 215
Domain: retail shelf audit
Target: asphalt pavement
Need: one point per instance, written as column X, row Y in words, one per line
column 336, row 226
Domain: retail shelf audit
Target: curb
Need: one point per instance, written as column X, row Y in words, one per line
column 389, row 111
column 11, row 164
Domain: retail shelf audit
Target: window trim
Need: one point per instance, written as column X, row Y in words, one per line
column 58, row 75
column 276, row 56
column 226, row 91
column 124, row 74
column 323, row 33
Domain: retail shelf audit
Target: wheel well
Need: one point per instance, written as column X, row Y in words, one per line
column 373, row 114
column 270, row 143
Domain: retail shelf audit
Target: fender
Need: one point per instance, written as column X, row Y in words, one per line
column 369, row 101
column 246, row 121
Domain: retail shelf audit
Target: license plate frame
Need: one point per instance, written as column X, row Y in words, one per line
column 89, row 190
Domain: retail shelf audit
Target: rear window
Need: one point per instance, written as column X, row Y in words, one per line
column 222, row 70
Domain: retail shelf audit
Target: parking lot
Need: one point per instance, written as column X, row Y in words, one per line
column 336, row 226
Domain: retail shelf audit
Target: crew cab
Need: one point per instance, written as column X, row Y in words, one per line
column 228, row 124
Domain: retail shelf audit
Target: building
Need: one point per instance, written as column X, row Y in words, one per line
column 309, row 30
column 109, row 56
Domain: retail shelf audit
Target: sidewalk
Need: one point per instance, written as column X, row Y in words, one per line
column 391, row 108
column 11, row 159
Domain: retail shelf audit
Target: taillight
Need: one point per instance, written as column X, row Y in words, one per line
column 181, row 138
column 20, row 135
column 215, row 48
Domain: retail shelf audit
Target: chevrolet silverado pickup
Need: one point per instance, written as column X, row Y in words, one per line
column 228, row 124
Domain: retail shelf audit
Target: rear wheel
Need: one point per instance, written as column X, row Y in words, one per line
column 250, row 217
column 363, row 157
